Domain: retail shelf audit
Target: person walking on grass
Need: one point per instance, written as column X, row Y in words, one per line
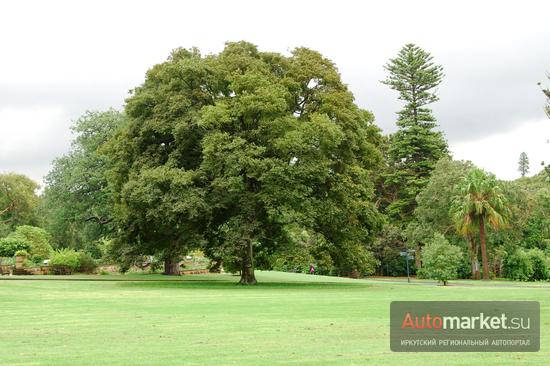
column 311, row 269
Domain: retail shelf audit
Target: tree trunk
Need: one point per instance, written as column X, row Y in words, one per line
column 417, row 259
column 171, row 266
column 215, row 266
column 473, row 258
column 483, row 249
column 247, row 272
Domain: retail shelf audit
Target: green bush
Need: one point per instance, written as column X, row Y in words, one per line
column 441, row 260
column 517, row 266
column 22, row 253
column 64, row 261
column 10, row 245
column 38, row 240
column 538, row 264
column 32, row 239
column 296, row 261
column 7, row 261
column 87, row 264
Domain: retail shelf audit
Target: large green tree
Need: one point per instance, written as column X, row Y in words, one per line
column 77, row 199
column 480, row 202
column 18, row 202
column 286, row 145
column 265, row 144
column 158, row 188
column 416, row 146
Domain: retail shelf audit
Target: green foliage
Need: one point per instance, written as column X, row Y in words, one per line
column 416, row 147
column 539, row 264
column 523, row 164
column 38, row 241
column 86, row 263
column 518, row 266
column 386, row 249
column 228, row 151
column 297, row 262
column 64, row 261
column 480, row 198
column 432, row 214
column 22, row 253
column 305, row 249
column 18, row 202
column 10, row 245
column 77, row 199
column 441, row 260
column 480, row 202
column 7, row 261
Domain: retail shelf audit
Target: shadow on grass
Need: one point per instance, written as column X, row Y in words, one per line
column 229, row 285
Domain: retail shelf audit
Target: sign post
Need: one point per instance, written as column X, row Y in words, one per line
column 408, row 254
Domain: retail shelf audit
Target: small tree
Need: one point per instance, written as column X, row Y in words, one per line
column 479, row 202
column 36, row 238
column 523, row 165
column 538, row 264
column 441, row 260
column 547, row 108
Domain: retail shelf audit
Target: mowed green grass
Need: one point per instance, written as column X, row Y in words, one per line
column 288, row 319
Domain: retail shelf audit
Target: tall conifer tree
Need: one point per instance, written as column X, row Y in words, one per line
column 416, row 146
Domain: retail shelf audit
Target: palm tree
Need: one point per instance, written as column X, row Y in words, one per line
column 480, row 201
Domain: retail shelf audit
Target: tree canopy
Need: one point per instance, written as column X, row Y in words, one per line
column 77, row 199
column 480, row 201
column 18, row 202
column 258, row 144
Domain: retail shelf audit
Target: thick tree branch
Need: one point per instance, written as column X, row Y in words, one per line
column 99, row 219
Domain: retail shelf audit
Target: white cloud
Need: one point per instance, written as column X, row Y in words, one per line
column 499, row 153
column 30, row 138
column 78, row 55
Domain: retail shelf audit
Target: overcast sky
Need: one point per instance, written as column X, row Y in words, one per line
column 61, row 58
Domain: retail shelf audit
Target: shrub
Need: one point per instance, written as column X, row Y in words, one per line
column 441, row 260
column 356, row 261
column 38, row 239
column 10, row 245
column 86, row 263
column 22, row 253
column 7, row 261
column 298, row 260
column 517, row 266
column 538, row 264
column 33, row 239
column 64, row 261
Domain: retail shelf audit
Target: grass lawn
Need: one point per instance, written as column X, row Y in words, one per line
column 288, row 319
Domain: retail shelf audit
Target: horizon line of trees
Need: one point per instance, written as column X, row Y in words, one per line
column 265, row 161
